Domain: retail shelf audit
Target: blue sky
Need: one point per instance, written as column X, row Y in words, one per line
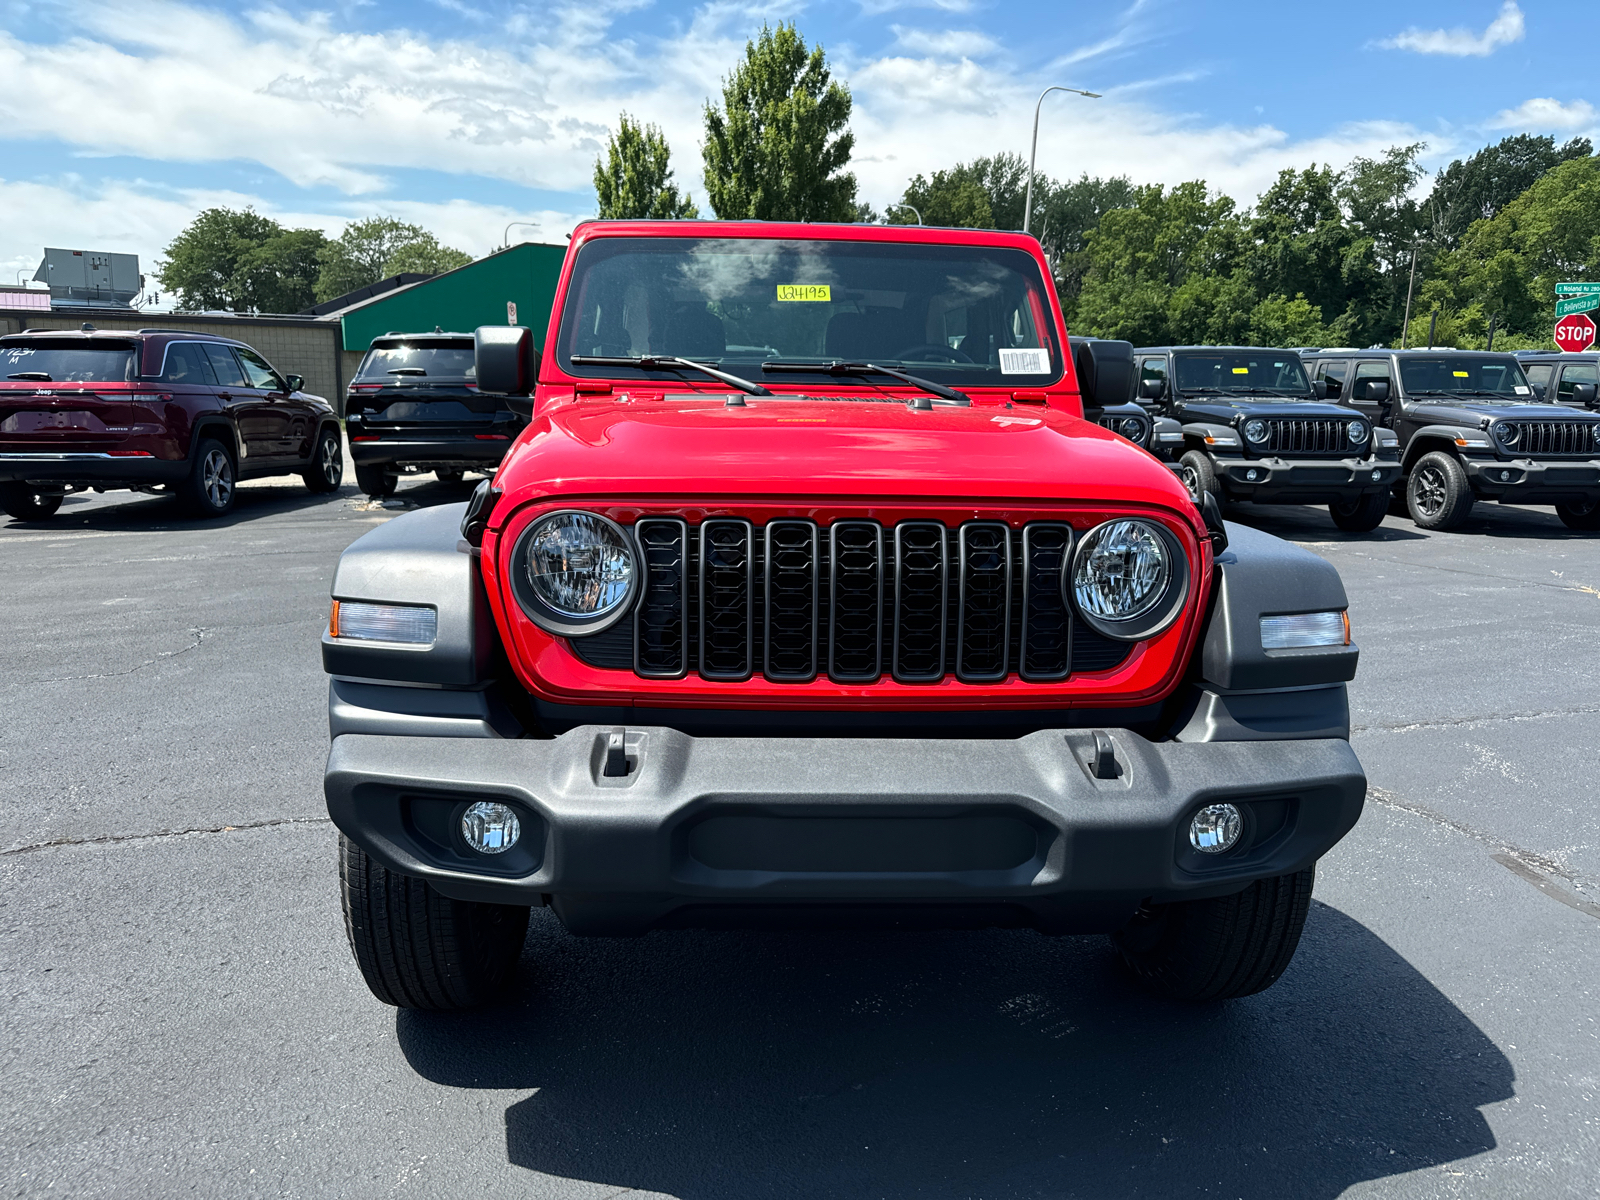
column 119, row 119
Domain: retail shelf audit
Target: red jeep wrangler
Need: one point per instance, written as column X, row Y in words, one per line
column 809, row 598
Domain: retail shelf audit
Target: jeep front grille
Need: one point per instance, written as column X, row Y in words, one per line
column 1310, row 436
column 1554, row 437
column 853, row 601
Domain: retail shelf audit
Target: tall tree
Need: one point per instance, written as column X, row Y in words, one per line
column 1068, row 214
column 635, row 180
column 241, row 261
column 986, row 193
column 376, row 248
column 777, row 148
column 1388, row 226
column 1476, row 188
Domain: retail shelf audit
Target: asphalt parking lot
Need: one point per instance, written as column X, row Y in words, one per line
column 181, row 1015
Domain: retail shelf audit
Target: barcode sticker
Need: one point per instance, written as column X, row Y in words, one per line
column 1024, row 362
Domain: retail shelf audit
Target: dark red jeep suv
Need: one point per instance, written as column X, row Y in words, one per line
column 156, row 410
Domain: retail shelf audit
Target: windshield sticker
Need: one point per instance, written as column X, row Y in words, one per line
column 1241, row 370
column 1461, row 374
column 814, row 292
column 1024, row 362
column 1521, row 390
column 1016, row 420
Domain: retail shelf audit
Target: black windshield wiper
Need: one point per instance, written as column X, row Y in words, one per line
column 839, row 367
column 667, row 362
column 41, row 376
column 1202, row 391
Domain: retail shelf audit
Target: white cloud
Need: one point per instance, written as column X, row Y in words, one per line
column 944, row 43
column 1505, row 29
column 874, row 8
column 1543, row 112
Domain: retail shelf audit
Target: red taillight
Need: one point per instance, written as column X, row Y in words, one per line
column 366, row 387
column 130, row 454
column 492, row 437
column 371, row 437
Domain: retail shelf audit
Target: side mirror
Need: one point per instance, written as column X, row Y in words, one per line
column 294, row 383
column 1152, row 389
column 1584, row 394
column 1320, row 387
column 1211, row 514
column 1106, row 374
column 1375, row 390
column 503, row 355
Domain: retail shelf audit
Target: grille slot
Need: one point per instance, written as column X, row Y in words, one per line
column 792, row 632
column 1554, row 437
column 922, row 601
column 727, row 599
column 660, row 622
column 1308, row 435
column 1046, row 652
column 984, row 612
column 855, row 595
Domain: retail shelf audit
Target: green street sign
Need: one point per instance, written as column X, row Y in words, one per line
column 1576, row 289
column 1578, row 304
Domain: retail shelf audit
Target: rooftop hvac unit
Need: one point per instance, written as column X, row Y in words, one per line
column 87, row 278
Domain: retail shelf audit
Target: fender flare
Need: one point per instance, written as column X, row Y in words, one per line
column 1430, row 438
column 1196, row 432
column 211, row 424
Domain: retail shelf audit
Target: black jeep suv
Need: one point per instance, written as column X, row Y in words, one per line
column 156, row 410
column 414, row 405
column 1472, row 427
column 1254, row 429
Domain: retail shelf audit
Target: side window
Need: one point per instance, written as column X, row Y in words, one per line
column 225, row 365
column 187, row 363
column 1575, row 373
column 259, row 373
column 1333, row 372
column 1539, row 376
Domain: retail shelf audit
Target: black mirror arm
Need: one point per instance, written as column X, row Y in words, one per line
column 1211, row 514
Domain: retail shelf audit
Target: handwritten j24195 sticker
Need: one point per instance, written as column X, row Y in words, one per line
column 1024, row 362
column 805, row 291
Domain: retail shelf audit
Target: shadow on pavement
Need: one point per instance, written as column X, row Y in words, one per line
column 722, row 1066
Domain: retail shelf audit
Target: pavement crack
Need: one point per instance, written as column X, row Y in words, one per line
column 1547, row 885
column 162, row 834
column 197, row 633
column 1481, row 718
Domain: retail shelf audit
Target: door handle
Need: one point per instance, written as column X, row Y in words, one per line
column 224, row 395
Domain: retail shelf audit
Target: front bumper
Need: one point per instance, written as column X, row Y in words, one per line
column 447, row 452
column 89, row 468
column 774, row 830
column 1304, row 481
column 1531, row 481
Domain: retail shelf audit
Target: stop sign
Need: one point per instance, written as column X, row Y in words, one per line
column 1575, row 332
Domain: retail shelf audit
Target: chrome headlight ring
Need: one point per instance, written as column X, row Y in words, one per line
column 1254, row 430
column 1356, row 431
column 1132, row 563
column 574, row 573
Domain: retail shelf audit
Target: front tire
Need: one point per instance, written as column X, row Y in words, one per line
column 1222, row 948
column 210, row 487
column 1438, row 495
column 419, row 949
column 326, row 471
column 1200, row 477
column 376, row 482
column 449, row 476
column 1361, row 515
column 29, row 504
column 1584, row 516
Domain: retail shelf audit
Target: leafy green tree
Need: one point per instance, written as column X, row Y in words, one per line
column 1476, row 188
column 1070, row 213
column 986, row 193
column 376, row 248
column 635, row 179
column 777, row 148
column 241, row 261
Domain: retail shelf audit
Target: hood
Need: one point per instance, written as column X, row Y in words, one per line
column 1216, row 408
column 1475, row 412
column 843, row 450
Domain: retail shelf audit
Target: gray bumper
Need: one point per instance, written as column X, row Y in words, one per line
column 1304, row 481
column 950, row 831
column 433, row 453
column 1529, row 481
column 92, row 468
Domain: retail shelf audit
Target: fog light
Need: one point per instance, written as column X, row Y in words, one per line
column 1251, row 474
column 1505, row 476
column 492, row 828
column 1376, row 476
column 1215, row 828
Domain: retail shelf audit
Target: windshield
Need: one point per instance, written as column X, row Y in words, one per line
column 1247, row 371
column 72, row 362
column 431, row 361
column 962, row 315
column 1498, row 377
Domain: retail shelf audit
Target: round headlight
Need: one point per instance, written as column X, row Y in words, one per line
column 1596, row 429
column 574, row 572
column 1357, row 432
column 1132, row 429
column 1255, row 430
column 1128, row 579
column 1508, row 433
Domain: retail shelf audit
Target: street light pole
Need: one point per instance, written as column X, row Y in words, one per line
column 505, row 238
column 1033, row 152
column 914, row 212
column 1405, row 326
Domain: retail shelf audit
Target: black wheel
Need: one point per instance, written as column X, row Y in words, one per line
column 29, row 504
column 326, row 471
column 1438, row 495
column 1199, row 476
column 449, row 476
column 1583, row 516
column 418, row 949
column 376, row 482
column 1361, row 515
column 209, row 489
column 1222, row 948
